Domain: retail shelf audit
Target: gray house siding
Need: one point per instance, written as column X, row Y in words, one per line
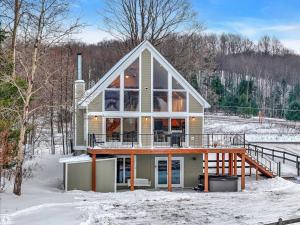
column 195, row 129
column 96, row 104
column 194, row 105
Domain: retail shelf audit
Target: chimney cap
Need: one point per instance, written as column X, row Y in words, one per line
column 79, row 53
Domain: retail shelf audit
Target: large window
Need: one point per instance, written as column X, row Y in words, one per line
column 113, row 129
column 160, row 76
column 131, row 76
column 178, row 101
column 130, row 129
column 131, row 87
column 160, row 101
column 131, row 100
column 112, row 100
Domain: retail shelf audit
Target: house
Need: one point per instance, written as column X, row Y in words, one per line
column 142, row 124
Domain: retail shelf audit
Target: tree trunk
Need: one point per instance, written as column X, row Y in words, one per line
column 18, row 178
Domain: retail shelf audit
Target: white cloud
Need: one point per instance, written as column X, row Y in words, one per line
column 92, row 35
column 293, row 44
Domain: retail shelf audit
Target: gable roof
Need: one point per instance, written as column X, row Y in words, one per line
column 122, row 64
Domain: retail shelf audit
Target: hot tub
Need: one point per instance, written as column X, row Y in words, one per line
column 221, row 183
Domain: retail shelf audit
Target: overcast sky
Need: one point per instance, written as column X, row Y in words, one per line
column 251, row 18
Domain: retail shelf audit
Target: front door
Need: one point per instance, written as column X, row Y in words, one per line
column 161, row 172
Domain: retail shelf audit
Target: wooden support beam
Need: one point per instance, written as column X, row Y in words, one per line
column 243, row 173
column 230, row 164
column 218, row 164
column 235, row 164
column 223, row 164
column 132, row 172
column 206, row 173
column 170, row 172
column 94, row 172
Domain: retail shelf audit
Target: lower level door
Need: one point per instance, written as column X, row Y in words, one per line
column 161, row 172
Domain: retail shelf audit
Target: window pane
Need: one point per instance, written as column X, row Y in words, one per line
column 178, row 101
column 113, row 129
column 161, row 130
column 112, row 100
column 131, row 75
column 175, row 84
column 131, row 100
column 127, row 169
column 120, row 169
column 160, row 101
column 178, row 125
column 160, row 76
column 115, row 83
column 130, row 129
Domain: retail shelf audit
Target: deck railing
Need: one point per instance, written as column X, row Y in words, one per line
column 173, row 140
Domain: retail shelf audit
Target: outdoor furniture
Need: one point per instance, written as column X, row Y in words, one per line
column 140, row 182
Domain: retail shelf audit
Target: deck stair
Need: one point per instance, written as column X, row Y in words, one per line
column 261, row 167
column 263, row 162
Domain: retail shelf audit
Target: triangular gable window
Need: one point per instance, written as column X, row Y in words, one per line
column 160, row 76
column 115, row 83
column 131, row 76
column 176, row 85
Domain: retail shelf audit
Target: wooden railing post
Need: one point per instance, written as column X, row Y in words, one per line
column 235, row 164
column 206, row 173
column 169, row 172
column 132, row 172
column 223, row 163
column 93, row 172
column 218, row 163
column 243, row 172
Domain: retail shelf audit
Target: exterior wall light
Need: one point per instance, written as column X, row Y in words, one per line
column 96, row 117
column 193, row 118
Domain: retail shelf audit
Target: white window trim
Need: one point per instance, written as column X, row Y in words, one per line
column 181, row 159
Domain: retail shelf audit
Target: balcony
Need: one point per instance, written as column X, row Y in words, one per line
column 165, row 140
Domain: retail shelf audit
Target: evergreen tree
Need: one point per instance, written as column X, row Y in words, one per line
column 293, row 111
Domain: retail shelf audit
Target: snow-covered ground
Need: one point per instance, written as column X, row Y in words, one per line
column 44, row 202
column 271, row 130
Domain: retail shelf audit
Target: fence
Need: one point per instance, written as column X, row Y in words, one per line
column 160, row 139
column 282, row 222
column 274, row 155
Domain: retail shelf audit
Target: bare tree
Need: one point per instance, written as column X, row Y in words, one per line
column 44, row 25
column 136, row 20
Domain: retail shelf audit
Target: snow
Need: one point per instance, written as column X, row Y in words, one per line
column 44, row 202
column 79, row 158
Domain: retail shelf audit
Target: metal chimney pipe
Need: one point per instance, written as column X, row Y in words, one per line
column 79, row 66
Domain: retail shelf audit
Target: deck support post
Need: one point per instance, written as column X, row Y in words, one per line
column 206, row 173
column 132, row 172
column 230, row 164
column 235, row 164
column 243, row 172
column 169, row 172
column 223, row 163
column 218, row 163
column 93, row 172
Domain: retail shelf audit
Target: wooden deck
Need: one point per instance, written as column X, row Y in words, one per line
column 232, row 153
